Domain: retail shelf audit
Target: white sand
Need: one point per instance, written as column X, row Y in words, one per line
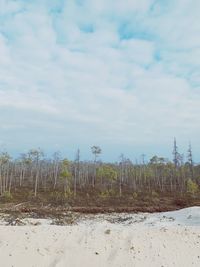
column 165, row 239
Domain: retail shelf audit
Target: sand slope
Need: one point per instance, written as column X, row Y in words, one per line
column 165, row 239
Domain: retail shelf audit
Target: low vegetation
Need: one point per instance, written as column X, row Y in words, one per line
column 124, row 184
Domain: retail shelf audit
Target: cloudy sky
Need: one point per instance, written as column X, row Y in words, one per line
column 124, row 75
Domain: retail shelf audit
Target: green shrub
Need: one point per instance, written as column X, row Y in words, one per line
column 104, row 194
column 107, row 193
column 154, row 194
column 192, row 187
column 7, row 195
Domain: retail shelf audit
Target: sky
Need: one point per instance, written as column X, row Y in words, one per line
column 123, row 75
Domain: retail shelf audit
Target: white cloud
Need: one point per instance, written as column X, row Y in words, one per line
column 91, row 85
column 4, row 52
column 138, row 51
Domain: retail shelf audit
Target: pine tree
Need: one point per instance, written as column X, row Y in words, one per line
column 176, row 155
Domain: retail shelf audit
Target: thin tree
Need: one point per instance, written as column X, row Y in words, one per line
column 190, row 160
column 76, row 171
column 96, row 151
column 176, row 155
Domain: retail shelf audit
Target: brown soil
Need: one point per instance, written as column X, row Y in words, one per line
column 54, row 204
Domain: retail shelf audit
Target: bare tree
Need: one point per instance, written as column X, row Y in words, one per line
column 96, row 151
column 190, row 160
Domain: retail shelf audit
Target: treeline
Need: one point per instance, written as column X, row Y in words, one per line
column 35, row 173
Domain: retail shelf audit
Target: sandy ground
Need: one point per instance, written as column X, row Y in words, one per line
column 164, row 239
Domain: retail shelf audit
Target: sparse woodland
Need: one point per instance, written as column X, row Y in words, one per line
column 60, row 179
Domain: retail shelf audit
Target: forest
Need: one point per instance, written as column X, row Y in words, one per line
column 59, row 181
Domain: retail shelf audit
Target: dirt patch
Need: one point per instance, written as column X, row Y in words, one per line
column 44, row 207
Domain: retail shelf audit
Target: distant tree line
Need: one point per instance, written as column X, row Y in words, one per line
column 33, row 171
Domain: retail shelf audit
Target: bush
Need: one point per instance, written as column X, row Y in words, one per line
column 134, row 195
column 154, row 194
column 104, row 194
column 57, row 197
column 107, row 193
column 192, row 187
column 68, row 193
column 7, row 195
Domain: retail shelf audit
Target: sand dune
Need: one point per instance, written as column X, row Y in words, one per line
column 164, row 239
